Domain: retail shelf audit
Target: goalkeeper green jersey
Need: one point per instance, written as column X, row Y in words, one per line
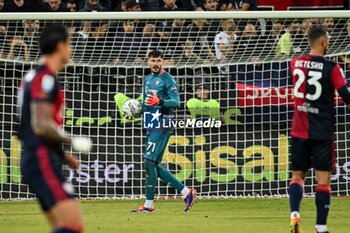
column 164, row 85
column 203, row 109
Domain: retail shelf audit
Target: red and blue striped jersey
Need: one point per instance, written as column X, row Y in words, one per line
column 40, row 84
column 315, row 80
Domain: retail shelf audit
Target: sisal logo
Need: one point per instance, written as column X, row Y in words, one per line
column 157, row 120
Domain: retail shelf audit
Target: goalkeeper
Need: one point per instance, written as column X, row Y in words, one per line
column 162, row 97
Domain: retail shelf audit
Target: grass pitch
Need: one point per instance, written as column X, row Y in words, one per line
column 212, row 216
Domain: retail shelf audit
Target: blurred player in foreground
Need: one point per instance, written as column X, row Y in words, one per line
column 162, row 97
column 315, row 80
column 41, row 102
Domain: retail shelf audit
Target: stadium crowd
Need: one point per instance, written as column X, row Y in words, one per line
column 123, row 5
column 221, row 44
column 196, row 41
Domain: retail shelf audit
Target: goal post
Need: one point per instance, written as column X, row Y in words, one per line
column 232, row 67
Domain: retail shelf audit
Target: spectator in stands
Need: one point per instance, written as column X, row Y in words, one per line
column 92, row 5
column 210, row 5
column 226, row 5
column 25, row 44
column 188, row 55
column 91, row 42
column 224, row 41
column 346, row 58
column 245, row 5
column 164, row 42
column 170, row 5
column 277, row 30
column 18, row 49
column 210, row 29
column 248, row 44
column 150, row 5
column 148, row 31
column 186, row 5
column 37, row 25
column 300, row 44
column 198, row 33
column 71, row 5
column 4, row 44
column 333, row 30
column 179, row 31
column 22, row 6
column 305, row 26
column 106, row 4
column 2, row 5
column 55, row 6
column 31, row 37
column 121, row 6
column 328, row 23
column 133, row 5
column 201, row 106
column 131, row 45
column 284, row 46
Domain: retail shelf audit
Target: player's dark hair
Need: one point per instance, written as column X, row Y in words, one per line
column 315, row 32
column 155, row 53
column 50, row 37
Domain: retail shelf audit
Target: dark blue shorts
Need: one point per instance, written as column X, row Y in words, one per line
column 309, row 153
column 41, row 168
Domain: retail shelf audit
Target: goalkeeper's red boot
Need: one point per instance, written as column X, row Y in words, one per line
column 144, row 209
column 190, row 199
column 295, row 224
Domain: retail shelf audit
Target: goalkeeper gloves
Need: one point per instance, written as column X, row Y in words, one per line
column 153, row 100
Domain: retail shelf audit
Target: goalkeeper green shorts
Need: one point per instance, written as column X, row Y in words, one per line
column 155, row 146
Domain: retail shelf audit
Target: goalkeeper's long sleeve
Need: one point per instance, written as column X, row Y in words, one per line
column 174, row 98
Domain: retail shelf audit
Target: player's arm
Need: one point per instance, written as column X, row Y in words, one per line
column 173, row 100
column 43, row 94
column 43, row 124
column 345, row 95
column 339, row 83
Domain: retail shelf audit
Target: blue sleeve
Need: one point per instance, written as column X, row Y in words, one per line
column 345, row 94
column 173, row 100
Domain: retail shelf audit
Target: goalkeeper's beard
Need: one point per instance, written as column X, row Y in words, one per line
column 158, row 69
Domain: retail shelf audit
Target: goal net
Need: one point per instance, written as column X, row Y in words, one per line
column 231, row 67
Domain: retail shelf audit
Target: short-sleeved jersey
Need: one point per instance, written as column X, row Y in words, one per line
column 38, row 85
column 222, row 38
column 315, row 80
column 164, row 85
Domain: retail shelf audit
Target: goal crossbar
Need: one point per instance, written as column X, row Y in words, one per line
column 175, row 15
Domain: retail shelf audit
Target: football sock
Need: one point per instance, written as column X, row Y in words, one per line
column 321, row 228
column 323, row 199
column 149, row 204
column 64, row 230
column 169, row 178
column 295, row 194
column 294, row 214
column 185, row 191
column 151, row 179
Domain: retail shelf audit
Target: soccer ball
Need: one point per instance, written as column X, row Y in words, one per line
column 132, row 108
